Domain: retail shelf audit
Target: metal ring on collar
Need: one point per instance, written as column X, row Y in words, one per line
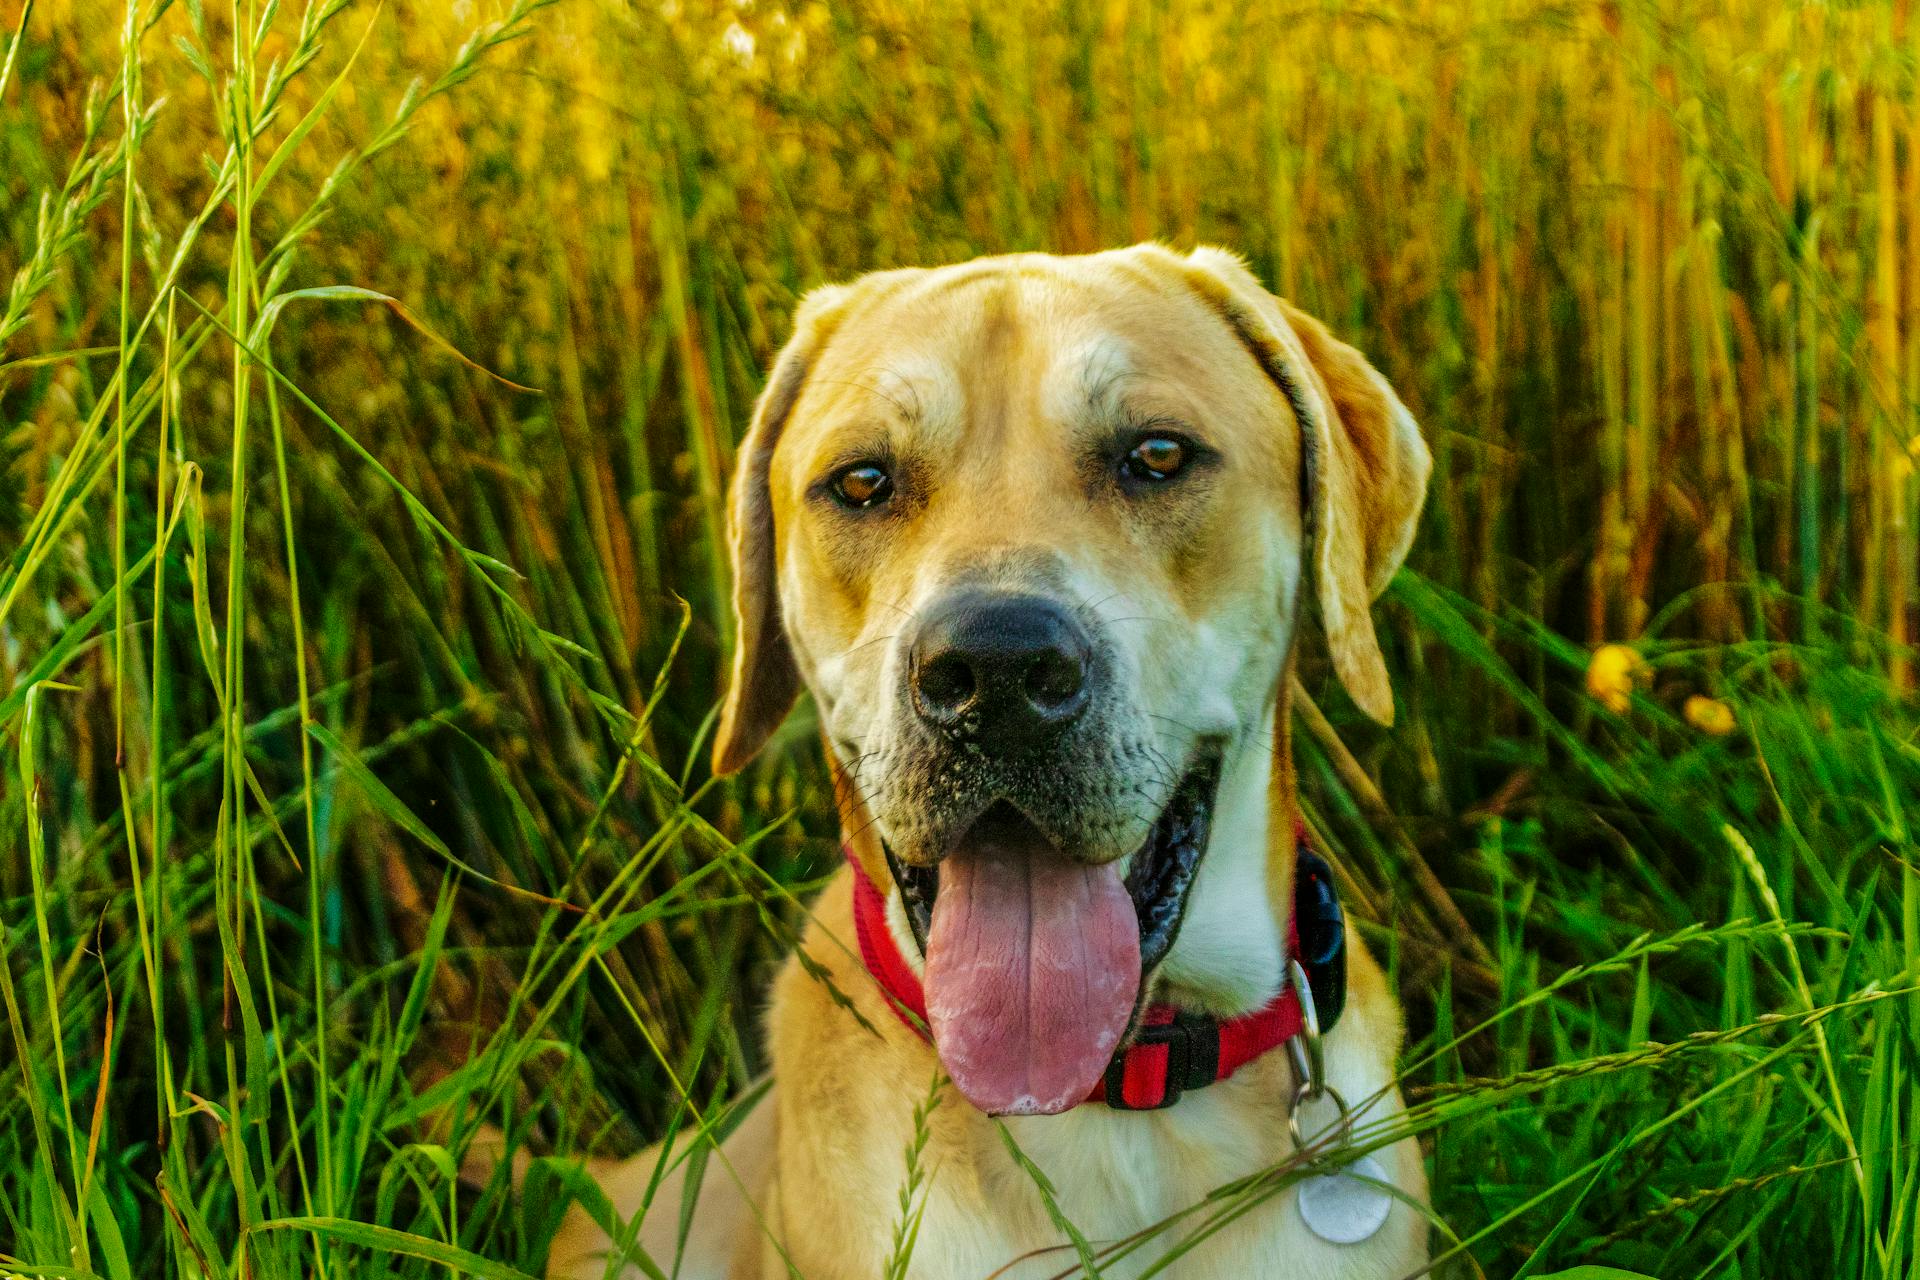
column 1303, row 1094
column 1310, row 1064
column 1308, row 1053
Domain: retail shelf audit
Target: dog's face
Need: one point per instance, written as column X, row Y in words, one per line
column 1033, row 531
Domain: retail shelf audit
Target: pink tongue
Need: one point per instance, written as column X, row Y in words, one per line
column 1033, row 965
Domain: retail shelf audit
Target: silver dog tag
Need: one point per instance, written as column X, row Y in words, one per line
column 1341, row 1208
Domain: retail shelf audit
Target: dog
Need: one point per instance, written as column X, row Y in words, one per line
column 1035, row 532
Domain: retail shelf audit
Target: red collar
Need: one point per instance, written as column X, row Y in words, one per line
column 1172, row 1050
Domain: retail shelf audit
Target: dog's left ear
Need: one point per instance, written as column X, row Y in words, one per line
column 1365, row 464
column 766, row 682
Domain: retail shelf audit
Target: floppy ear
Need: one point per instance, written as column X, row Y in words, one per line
column 1364, row 463
column 765, row 681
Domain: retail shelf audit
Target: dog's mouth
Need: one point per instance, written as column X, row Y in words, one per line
column 1158, row 877
column 1036, row 964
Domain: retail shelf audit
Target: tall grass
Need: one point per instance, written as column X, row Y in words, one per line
column 353, row 692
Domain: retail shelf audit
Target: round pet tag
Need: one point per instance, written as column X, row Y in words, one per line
column 1341, row 1208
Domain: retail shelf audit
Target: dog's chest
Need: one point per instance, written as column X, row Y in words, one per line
column 1114, row 1174
column 1124, row 1169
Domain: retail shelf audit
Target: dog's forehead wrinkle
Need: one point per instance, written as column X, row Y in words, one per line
column 977, row 321
column 1097, row 366
column 895, row 388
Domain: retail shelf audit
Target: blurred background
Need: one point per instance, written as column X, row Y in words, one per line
column 355, row 682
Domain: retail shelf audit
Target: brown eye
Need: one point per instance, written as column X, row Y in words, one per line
column 862, row 485
column 1154, row 459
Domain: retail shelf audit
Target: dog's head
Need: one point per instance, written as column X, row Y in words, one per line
column 1033, row 531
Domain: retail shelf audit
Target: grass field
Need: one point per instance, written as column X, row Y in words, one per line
column 353, row 694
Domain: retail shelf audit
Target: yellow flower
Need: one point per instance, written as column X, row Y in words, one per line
column 1611, row 675
column 1709, row 715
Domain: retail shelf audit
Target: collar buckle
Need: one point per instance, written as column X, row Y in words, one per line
column 1192, row 1061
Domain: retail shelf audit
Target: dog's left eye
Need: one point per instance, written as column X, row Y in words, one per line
column 861, row 486
column 1154, row 460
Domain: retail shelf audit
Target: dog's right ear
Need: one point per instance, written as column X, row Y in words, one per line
column 765, row 681
column 1364, row 464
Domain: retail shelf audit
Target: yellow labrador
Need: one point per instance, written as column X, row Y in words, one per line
column 1034, row 532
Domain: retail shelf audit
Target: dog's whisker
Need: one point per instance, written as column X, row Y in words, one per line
column 859, row 384
column 919, row 411
column 867, row 644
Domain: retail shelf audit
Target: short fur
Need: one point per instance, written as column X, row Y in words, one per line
column 992, row 383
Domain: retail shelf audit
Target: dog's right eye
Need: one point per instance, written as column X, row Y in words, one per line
column 1154, row 460
column 860, row 486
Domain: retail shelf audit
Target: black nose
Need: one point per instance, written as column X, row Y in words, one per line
column 1006, row 670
